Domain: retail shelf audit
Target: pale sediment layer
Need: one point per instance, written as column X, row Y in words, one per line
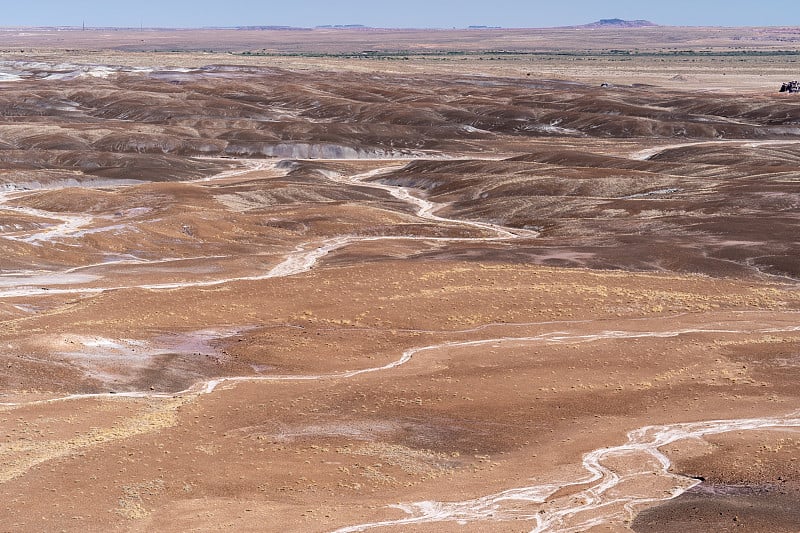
column 278, row 300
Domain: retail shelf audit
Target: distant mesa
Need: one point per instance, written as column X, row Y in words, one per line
column 299, row 28
column 265, row 28
column 619, row 23
column 343, row 27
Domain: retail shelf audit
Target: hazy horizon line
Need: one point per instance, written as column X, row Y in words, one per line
column 476, row 27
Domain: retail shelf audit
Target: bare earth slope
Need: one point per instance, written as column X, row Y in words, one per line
column 275, row 296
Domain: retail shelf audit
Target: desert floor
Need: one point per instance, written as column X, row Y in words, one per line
column 266, row 281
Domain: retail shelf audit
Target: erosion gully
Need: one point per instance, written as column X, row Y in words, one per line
column 602, row 495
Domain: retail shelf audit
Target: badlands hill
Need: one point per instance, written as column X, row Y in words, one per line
column 281, row 286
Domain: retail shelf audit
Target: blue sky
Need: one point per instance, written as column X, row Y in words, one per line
column 398, row 13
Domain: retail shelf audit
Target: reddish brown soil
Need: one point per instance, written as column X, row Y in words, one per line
column 649, row 278
column 751, row 483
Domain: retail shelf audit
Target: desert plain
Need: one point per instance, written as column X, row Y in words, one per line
column 354, row 280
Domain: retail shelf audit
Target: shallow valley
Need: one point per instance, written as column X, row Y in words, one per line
column 314, row 294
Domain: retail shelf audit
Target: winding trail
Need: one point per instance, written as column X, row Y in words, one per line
column 72, row 224
column 302, row 259
column 604, row 494
column 600, row 502
column 609, row 493
column 69, row 223
column 209, row 386
column 248, row 166
column 426, row 209
column 648, row 153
